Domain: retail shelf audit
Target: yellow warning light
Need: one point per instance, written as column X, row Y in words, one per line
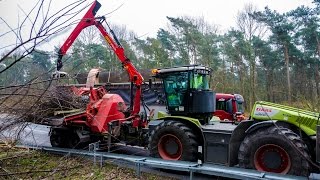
column 154, row 71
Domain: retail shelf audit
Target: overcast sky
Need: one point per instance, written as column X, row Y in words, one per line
column 145, row 17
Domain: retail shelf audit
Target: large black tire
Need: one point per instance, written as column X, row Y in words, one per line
column 58, row 138
column 274, row 149
column 173, row 140
column 73, row 140
column 64, row 138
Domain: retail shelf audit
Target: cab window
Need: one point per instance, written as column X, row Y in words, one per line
column 175, row 87
column 199, row 81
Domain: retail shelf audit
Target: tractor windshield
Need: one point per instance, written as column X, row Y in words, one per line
column 175, row 87
column 177, row 84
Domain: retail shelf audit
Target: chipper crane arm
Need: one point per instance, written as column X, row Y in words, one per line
column 89, row 19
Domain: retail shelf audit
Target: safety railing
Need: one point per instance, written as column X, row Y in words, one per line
column 191, row 167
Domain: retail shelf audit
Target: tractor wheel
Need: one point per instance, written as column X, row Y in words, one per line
column 173, row 140
column 58, row 138
column 277, row 150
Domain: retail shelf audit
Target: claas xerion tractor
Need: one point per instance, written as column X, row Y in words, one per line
column 276, row 139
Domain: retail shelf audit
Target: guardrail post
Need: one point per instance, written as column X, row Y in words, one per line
column 101, row 161
column 191, row 174
column 95, row 148
column 138, row 170
column 91, row 148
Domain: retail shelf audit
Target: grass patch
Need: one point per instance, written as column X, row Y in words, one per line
column 20, row 163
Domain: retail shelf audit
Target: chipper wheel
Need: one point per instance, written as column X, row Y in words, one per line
column 58, row 138
column 173, row 140
column 277, row 150
column 64, row 138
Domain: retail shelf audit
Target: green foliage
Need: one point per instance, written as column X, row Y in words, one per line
column 258, row 67
column 278, row 24
column 36, row 65
column 248, row 64
column 42, row 59
column 17, row 73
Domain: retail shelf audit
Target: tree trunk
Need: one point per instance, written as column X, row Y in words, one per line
column 317, row 75
column 252, row 75
column 241, row 75
column 286, row 56
column 252, row 84
column 269, row 85
column 317, row 78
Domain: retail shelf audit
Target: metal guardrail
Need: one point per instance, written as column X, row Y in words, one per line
column 191, row 167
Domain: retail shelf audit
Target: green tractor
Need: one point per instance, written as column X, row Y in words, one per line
column 276, row 138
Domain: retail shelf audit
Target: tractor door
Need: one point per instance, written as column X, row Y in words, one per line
column 176, row 86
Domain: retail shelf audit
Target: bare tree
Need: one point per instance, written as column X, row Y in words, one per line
column 90, row 35
column 37, row 27
column 250, row 28
column 248, row 25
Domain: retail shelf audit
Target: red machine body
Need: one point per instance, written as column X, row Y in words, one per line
column 229, row 107
column 104, row 108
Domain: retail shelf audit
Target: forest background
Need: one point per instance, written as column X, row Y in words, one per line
column 268, row 56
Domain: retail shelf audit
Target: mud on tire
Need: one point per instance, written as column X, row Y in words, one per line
column 173, row 140
column 275, row 149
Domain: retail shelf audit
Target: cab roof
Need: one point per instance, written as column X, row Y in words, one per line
column 199, row 68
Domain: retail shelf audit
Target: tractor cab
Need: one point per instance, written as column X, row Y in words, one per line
column 229, row 107
column 187, row 91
